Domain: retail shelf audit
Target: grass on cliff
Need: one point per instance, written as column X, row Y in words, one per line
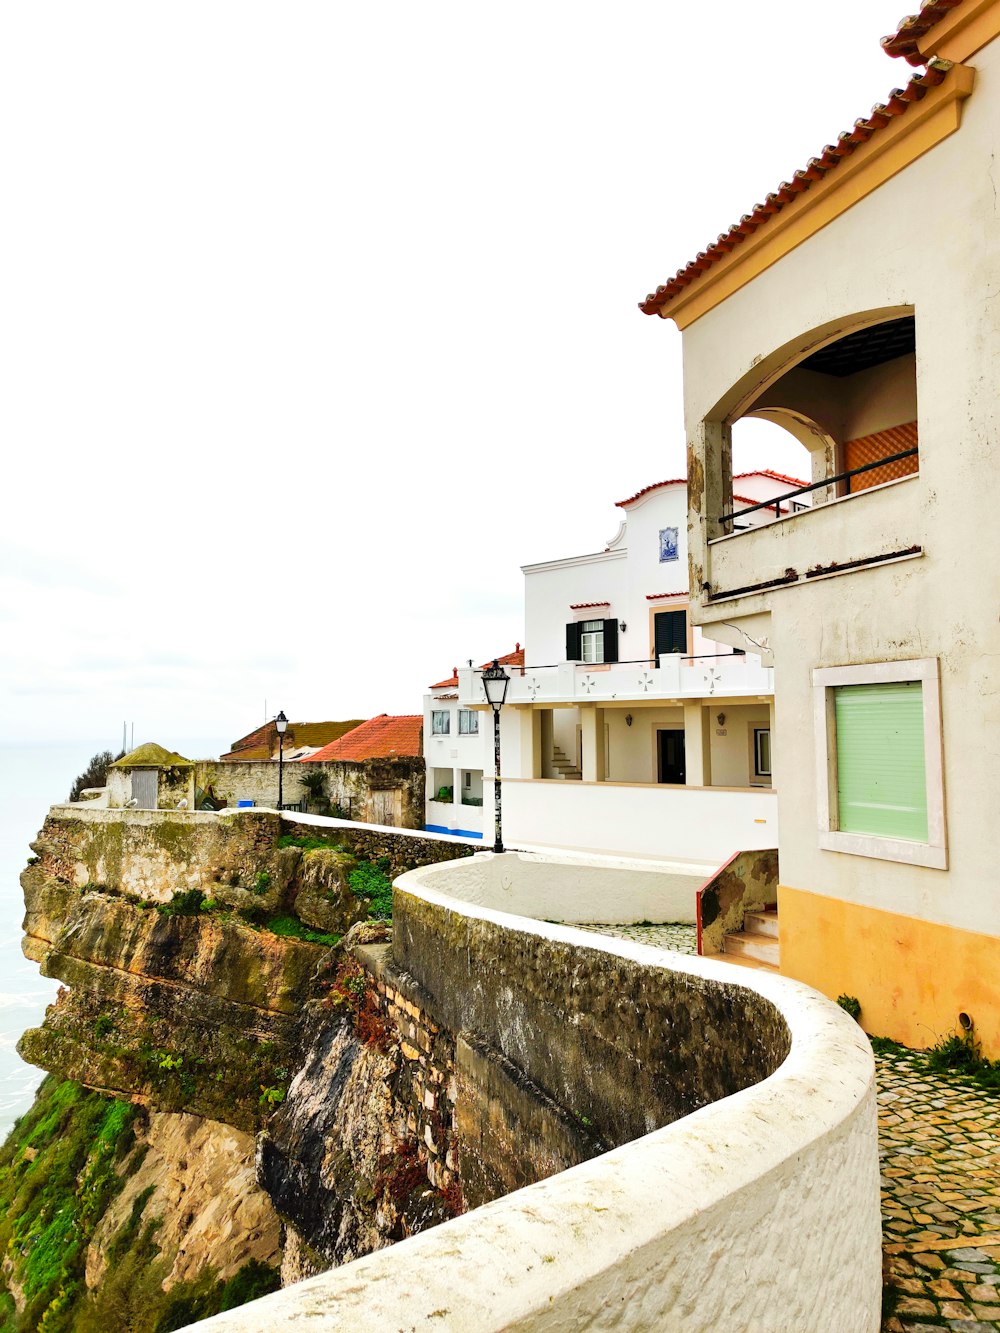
column 290, row 927
column 62, row 1165
column 57, row 1176
column 309, row 843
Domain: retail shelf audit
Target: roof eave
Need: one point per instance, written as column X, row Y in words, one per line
column 911, row 121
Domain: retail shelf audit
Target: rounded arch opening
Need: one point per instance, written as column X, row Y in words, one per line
column 838, row 406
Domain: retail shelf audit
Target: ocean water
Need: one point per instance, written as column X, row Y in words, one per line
column 31, row 779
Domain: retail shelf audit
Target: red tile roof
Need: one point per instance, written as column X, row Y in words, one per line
column 655, row 596
column 775, row 476
column 263, row 742
column 905, row 40
column 377, row 738
column 583, row 606
column 899, row 102
column 676, row 481
column 516, row 658
column 673, row 481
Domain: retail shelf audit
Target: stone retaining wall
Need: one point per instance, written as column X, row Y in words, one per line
column 429, row 1052
column 758, row 1210
column 355, row 786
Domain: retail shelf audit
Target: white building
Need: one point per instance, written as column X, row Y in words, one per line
column 626, row 730
column 458, row 746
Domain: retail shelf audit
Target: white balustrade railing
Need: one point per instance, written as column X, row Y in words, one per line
column 675, row 677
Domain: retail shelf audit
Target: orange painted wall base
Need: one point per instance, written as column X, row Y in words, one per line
column 913, row 977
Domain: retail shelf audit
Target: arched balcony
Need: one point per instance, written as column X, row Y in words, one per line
column 847, row 393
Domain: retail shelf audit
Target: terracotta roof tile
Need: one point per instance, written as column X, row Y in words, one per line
column 655, row 596
column 905, row 40
column 672, row 481
column 516, row 658
column 584, row 606
column 899, row 101
column 377, row 738
column 263, row 742
column 676, row 481
column 775, row 476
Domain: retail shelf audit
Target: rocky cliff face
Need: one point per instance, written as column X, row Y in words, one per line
column 201, row 988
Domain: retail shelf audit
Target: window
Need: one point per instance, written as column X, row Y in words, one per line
column 879, row 765
column 440, row 722
column 468, row 722
column 670, row 633
column 592, row 641
column 762, row 752
column 467, row 780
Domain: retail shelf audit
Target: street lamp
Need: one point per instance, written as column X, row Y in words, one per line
column 495, row 682
column 281, row 722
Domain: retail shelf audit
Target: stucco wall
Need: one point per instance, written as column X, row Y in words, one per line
column 759, row 1211
column 899, row 247
column 698, row 824
column 625, row 576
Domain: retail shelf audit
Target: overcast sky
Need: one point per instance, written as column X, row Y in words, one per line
column 319, row 320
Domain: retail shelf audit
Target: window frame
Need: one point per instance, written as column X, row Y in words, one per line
column 597, row 637
column 757, row 777
column 471, row 717
column 446, row 714
column 925, row 670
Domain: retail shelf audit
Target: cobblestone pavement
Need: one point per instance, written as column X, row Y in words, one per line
column 939, row 1141
column 939, row 1144
column 680, row 938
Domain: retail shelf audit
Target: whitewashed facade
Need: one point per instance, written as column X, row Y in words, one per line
column 627, row 730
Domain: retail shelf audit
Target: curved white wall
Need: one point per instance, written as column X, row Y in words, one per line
column 758, row 1212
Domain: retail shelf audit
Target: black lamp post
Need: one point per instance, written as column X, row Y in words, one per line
column 281, row 722
column 495, row 682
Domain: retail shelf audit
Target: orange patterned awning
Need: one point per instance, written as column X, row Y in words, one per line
column 882, row 444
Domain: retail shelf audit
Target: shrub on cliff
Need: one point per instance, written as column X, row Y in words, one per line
column 95, row 774
column 369, row 880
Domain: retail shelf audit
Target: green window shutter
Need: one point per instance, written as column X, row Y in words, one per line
column 881, row 784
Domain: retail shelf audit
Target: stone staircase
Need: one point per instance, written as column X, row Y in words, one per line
column 756, row 945
column 564, row 767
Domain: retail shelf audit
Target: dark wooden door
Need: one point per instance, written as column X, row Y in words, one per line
column 671, row 756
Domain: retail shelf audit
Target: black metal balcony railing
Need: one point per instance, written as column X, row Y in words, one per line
column 776, row 503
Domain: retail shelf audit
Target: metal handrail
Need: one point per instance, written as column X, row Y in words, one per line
column 817, row 486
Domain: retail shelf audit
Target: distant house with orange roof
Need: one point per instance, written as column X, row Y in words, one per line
column 380, row 737
column 300, row 738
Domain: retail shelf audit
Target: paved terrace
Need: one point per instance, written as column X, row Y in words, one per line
column 939, row 1144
